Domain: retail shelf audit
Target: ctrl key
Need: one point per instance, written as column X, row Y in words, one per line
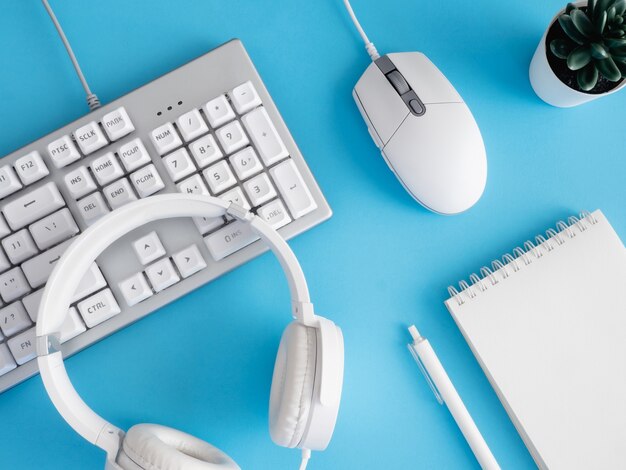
column 23, row 346
column 98, row 308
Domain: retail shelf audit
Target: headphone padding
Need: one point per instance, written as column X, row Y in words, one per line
column 292, row 384
column 155, row 447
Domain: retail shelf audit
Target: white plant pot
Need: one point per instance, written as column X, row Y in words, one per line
column 549, row 87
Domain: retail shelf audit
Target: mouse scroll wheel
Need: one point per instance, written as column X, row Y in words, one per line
column 398, row 82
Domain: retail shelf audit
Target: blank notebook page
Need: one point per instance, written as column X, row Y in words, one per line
column 549, row 331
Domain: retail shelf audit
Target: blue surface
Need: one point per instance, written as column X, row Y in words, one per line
column 204, row 363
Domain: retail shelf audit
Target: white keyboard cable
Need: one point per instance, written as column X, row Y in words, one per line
column 369, row 45
column 92, row 99
column 306, row 455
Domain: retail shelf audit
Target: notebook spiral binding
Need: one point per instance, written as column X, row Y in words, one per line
column 510, row 263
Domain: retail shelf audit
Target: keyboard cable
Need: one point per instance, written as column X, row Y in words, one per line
column 92, row 99
column 369, row 45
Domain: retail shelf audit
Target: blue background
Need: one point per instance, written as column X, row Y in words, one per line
column 204, row 363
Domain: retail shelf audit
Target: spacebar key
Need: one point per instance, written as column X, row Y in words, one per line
column 229, row 239
column 33, row 206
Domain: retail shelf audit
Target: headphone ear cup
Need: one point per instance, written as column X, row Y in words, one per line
column 155, row 447
column 292, row 384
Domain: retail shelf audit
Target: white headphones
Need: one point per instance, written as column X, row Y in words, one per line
column 308, row 374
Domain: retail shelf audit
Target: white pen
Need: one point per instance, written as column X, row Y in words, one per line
column 444, row 391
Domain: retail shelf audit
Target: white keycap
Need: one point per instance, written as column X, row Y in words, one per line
column 117, row 124
column 92, row 281
column 218, row 111
column 162, row 274
column 4, row 228
column 54, row 228
column 38, row 269
column 98, row 308
column 246, row 163
column 133, row 154
column 23, row 346
column 119, row 193
column 31, row 303
column 79, row 182
column 165, row 138
column 274, row 213
column 193, row 185
column 62, row 151
column 189, row 261
column 19, row 246
column 106, row 168
column 90, row 138
column 135, row 289
column 191, row 125
column 31, row 168
column 13, row 284
column 8, row 181
column 92, row 207
column 236, row 196
column 4, row 262
column 72, row 326
column 148, row 248
column 245, row 97
column 259, row 189
column 7, row 363
column 206, row 224
column 291, row 186
column 147, row 181
column 33, row 206
column 220, row 177
column 13, row 319
column 229, row 239
column 178, row 164
column 205, row 151
column 232, row 137
column 264, row 135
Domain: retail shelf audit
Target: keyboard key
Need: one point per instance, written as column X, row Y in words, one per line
column 229, row 239
column 232, row 137
column 189, row 261
column 119, row 193
column 148, row 248
column 62, row 151
column 193, row 185
column 133, row 155
column 92, row 281
column 31, row 303
column 7, row 363
column 33, row 206
column 191, row 125
column 236, row 196
column 147, row 181
column 220, row 177
column 246, row 163
column 162, row 274
column 291, row 186
column 19, row 246
column 206, row 224
column 205, row 151
column 8, row 181
column 135, row 289
column 264, row 135
column 117, row 124
column 165, row 138
column 13, row 319
column 259, row 189
column 106, row 168
column 245, row 97
column 31, row 168
column 38, row 269
column 178, row 164
column 23, row 346
column 92, row 208
column 274, row 213
column 54, row 229
column 90, row 138
column 98, row 308
column 4, row 228
column 72, row 326
column 4, row 262
column 218, row 111
column 79, row 182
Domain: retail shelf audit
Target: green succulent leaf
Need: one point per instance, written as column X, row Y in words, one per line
column 561, row 48
column 578, row 58
column 570, row 7
column 591, row 4
column 572, row 32
column 602, row 5
column 614, row 43
column 618, row 50
column 620, row 7
column 582, row 23
column 608, row 69
column 610, row 14
column 618, row 20
column 587, row 77
column 622, row 68
column 598, row 51
column 599, row 22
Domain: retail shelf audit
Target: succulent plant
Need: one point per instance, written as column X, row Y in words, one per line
column 595, row 41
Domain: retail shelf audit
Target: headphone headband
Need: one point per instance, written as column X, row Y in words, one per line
column 75, row 262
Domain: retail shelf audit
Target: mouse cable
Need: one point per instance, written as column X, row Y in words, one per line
column 369, row 45
column 306, row 455
column 92, row 99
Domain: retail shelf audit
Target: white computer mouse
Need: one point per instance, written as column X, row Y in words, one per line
column 425, row 131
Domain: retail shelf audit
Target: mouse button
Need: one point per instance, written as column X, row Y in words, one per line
column 384, row 64
column 398, row 82
column 416, row 107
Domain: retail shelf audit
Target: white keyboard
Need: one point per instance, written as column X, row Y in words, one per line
column 209, row 127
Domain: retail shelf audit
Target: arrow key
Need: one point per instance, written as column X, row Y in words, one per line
column 189, row 261
column 135, row 289
column 162, row 274
column 149, row 248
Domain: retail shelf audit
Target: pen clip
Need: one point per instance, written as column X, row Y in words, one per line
column 431, row 384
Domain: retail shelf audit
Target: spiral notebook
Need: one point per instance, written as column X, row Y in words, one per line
column 548, row 326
